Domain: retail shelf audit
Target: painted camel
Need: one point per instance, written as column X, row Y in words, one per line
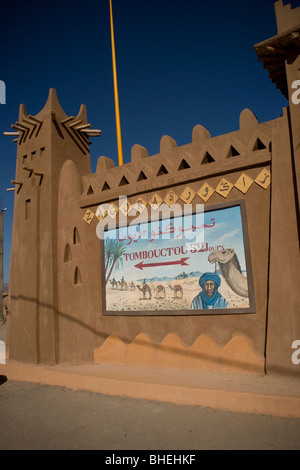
column 114, row 284
column 160, row 292
column 145, row 289
column 230, row 269
column 122, row 285
column 178, row 291
column 131, row 286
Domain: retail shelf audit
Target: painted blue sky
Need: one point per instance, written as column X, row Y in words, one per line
column 173, row 239
column 180, row 63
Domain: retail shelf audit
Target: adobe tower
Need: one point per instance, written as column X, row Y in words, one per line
column 45, row 143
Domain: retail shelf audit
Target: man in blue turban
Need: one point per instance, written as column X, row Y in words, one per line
column 209, row 297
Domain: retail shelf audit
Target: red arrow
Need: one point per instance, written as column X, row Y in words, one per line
column 143, row 265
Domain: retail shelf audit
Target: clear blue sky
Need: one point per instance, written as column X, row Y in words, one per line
column 179, row 62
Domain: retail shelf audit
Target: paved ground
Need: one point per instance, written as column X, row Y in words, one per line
column 34, row 416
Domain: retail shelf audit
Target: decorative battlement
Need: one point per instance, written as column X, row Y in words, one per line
column 286, row 17
column 283, row 48
column 249, row 146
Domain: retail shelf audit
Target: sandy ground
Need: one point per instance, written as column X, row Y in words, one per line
column 124, row 300
column 40, row 417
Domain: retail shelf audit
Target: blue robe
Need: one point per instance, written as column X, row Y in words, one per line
column 199, row 302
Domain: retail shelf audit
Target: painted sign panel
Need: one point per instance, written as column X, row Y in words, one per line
column 195, row 263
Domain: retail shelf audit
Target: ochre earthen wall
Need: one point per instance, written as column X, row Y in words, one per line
column 56, row 287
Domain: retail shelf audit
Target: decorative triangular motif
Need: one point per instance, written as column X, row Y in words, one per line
column 259, row 145
column 207, row 159
column 162, row 171
column 183, row 165
column 105, row 187
column 142, row 176
column 90, row 191
column 232, row 152
column 123, row 181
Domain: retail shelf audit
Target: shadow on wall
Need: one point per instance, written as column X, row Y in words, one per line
column 167, row 348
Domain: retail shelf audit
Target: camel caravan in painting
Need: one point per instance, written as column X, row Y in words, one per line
column 164, row 293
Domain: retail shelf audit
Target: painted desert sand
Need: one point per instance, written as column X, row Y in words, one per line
column 132, row 300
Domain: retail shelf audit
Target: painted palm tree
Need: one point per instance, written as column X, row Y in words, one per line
column 109, row 249
column 114, row 252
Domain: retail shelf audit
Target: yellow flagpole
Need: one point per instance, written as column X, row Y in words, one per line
column 118, row 122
